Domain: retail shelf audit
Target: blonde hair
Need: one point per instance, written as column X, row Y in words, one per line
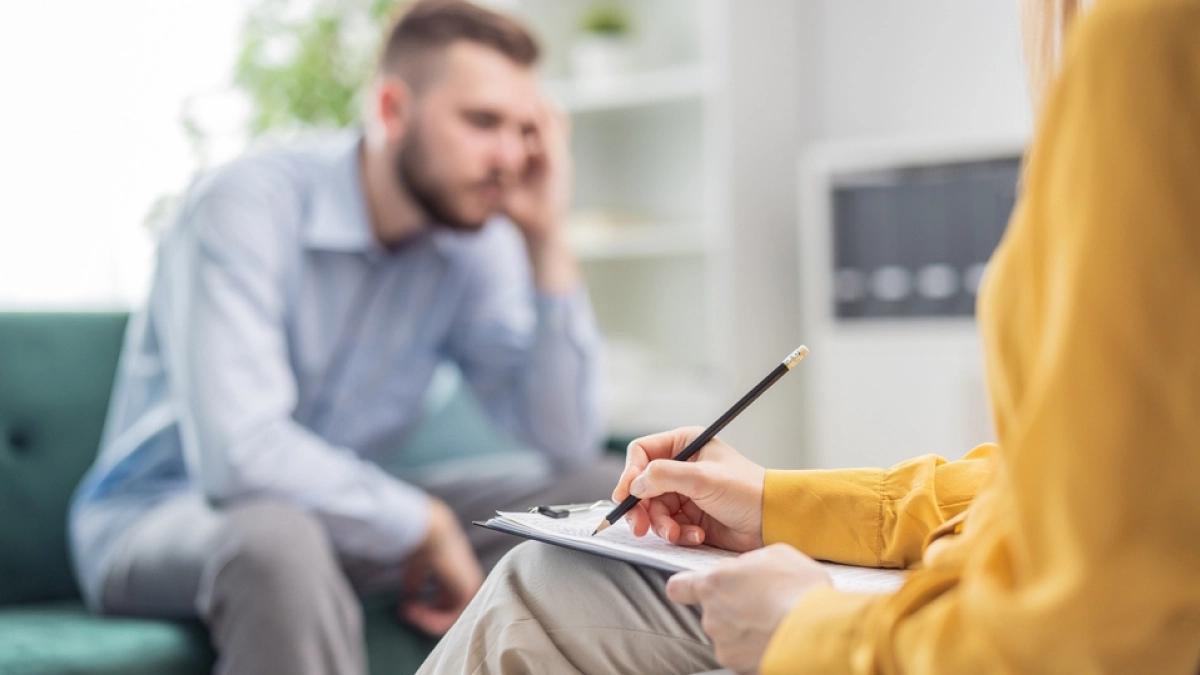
column 1044, row 28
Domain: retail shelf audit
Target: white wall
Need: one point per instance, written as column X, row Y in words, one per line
column 772, row 58
column 804, row 73
column 919, row 67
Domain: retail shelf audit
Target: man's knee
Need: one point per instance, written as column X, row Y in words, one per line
column 272, row 537
column 281, row 556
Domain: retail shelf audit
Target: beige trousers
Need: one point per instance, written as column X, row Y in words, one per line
column 546, row 609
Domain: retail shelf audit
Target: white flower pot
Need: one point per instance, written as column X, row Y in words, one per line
column 600, row 57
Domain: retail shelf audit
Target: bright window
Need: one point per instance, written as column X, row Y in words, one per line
column 90, row 137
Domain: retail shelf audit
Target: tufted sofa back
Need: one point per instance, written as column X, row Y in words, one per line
column 56, row 374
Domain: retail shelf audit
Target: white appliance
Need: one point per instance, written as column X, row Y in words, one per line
column 894, row 236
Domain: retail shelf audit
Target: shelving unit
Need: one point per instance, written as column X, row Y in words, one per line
column 651, row 151
column 679, row 83
column 599, row 241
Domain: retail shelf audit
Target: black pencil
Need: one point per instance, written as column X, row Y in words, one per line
column 714, row 429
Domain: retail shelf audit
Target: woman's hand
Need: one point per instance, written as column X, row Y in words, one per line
column 745, row 599
column 715, row 499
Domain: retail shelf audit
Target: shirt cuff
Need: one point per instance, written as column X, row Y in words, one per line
column 828, row 515
column 824, row 633
column 397, row 526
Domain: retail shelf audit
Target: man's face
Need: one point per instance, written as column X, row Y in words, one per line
column 467, row 138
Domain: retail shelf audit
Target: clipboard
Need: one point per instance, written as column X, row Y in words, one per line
column 618, row 543
column 501, row 525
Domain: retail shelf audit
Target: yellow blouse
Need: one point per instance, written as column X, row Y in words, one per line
column 1081, row 552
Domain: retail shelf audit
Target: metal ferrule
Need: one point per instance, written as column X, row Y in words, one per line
column 795, row 357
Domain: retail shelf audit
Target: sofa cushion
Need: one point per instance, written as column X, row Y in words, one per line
column 56, row 373
column 62, row 638
column 65, row 639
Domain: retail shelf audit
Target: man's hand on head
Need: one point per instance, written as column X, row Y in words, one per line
column 540, row 198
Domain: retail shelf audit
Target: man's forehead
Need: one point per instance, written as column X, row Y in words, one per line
column 477, row 75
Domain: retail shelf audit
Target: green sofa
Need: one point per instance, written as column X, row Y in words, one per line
column 56, row 373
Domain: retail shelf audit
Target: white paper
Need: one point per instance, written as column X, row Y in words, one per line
column 619, row 541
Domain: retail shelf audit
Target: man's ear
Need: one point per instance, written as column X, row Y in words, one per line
column 389, row 107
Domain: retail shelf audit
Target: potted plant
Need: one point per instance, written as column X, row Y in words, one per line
column 604, row 46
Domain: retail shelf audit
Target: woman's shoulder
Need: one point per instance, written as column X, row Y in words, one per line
column 1113, row 26
column 1135, row 62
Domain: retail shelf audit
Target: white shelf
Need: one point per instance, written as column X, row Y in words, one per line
column 651, row 194
column 633, row 89
column 593, row 239
column 637, row 241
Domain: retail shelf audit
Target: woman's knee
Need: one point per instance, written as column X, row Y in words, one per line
column 553, row 580
column 534, row 561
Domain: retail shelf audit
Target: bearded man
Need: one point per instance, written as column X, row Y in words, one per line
column 303, row 299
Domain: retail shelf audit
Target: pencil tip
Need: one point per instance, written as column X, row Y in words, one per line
column 601, row 527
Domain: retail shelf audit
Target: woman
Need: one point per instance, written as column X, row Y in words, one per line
column 1073, row 545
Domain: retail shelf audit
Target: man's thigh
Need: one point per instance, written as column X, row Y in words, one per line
column 159, row 564
column 168, row 563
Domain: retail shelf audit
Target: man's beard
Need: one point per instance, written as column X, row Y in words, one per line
column 434, row 198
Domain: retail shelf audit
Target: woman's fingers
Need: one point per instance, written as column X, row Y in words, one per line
column 688, row 479
column 662, row 520
column 632, row 469
column 690, row 535
column 666, row 444
column 668, row 517
column 645, row 450
column 639, row 520
column 692, row 512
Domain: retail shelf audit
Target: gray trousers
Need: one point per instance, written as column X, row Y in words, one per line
column 264, row 577
column 552, row 611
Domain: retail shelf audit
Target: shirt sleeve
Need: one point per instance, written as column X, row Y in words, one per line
column 531, row 358
column 1085, row 559
column 871, row 517
column 225, row 313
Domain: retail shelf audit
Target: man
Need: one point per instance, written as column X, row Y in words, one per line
column 303, row 300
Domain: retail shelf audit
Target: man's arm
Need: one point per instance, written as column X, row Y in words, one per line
column 540, row 382
column 530, row 356
column 230, row 370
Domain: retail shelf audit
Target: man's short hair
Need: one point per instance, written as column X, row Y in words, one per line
column 429, row 26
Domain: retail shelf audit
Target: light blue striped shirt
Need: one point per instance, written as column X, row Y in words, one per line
column 283, row 351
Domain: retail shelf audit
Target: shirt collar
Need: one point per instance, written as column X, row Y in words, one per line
column 338, row 220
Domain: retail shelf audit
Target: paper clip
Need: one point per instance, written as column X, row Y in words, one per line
column 564, row 510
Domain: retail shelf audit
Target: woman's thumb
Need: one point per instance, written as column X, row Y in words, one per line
column 667, row 475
